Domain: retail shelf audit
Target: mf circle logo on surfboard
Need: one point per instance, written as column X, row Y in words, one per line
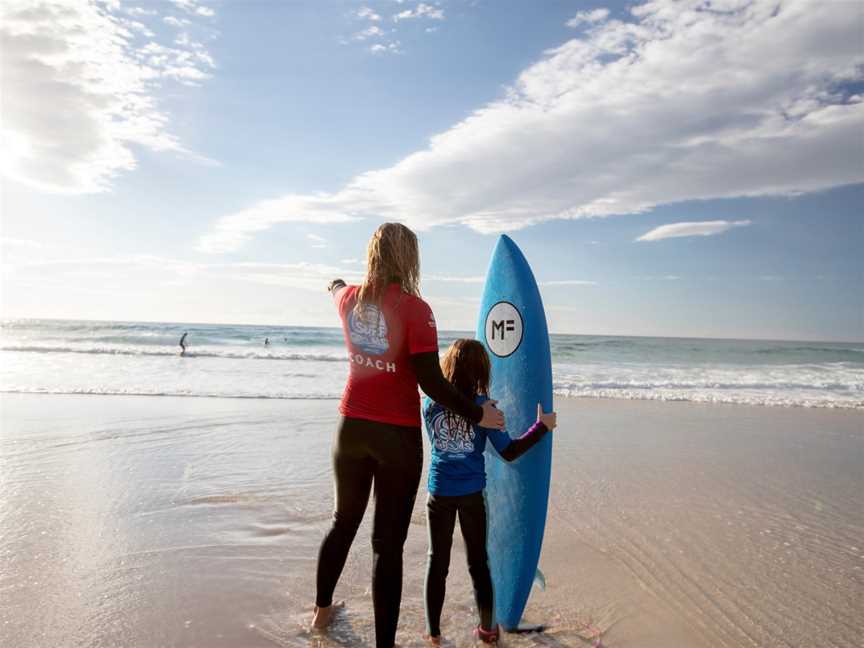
column 504, row 329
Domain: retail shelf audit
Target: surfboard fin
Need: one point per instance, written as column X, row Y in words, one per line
column 540, row 580
column 523, row 628
column 526, row 628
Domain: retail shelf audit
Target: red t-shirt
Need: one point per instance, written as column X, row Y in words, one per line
column 382, row 385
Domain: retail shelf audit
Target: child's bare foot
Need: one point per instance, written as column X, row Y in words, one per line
column 322, row 616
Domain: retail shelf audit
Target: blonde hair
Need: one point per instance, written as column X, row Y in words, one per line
column 392, row 256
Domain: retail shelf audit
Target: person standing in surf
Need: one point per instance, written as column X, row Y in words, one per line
column 457, row 477
column 183, row 343
column 392, row 343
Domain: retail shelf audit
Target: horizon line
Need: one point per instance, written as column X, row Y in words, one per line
column 4, row 320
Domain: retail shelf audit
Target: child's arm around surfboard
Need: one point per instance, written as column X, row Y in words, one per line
column 512, row 449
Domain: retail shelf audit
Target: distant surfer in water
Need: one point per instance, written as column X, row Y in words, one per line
column 183, row 343
column 266, row 341
column 392, row 343
column 457, row 477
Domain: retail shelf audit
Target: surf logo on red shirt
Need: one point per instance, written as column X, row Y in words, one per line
column 452, row 434
column 368, row 331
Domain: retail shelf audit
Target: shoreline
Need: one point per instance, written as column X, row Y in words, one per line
column 605, row 399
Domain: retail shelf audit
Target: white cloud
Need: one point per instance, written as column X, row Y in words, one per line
column 140, row 11
column 231, row 232
column 393, row 47
column 367, row 14
column 187, row 64
column 700, row 228
column 79, row 90
column 194, row 7
column 588, row 17
column 685, row 102
column 91, row 264
column 174, row 21
column 422, row 10
column 139, row 27
column 482, row 279
column 316, row 241
column 25, row 244
column 303, row 274
column 370, row 32
column 569, row 282
column 454, row 279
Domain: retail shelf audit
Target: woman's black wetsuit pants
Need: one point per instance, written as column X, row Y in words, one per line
column 441, row 512
column 390, row 457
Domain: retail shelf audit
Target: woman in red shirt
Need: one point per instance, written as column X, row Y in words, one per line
column 392, row 345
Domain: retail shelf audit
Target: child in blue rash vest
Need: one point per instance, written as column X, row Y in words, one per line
column 457, row 477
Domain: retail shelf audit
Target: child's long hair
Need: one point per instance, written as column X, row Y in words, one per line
column 392, row 256
column 466, row 366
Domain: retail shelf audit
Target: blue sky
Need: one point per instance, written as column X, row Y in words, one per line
column 220, row 161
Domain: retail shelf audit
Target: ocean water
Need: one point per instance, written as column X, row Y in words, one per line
column 70, row 357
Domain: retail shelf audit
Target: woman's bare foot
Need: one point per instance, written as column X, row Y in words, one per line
column 323, row 616
column 433, row 641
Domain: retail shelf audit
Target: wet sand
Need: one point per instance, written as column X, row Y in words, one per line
column 145, row 522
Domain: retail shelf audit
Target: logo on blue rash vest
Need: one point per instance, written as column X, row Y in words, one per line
column 369, row 331
column 452, row 434
column 503, row 329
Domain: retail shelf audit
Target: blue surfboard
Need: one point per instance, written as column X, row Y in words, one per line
column 512, row 326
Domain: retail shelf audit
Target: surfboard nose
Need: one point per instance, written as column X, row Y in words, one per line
column 509, row 267
column 506, row 251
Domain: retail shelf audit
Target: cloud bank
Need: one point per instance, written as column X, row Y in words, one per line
column 79, row 89
column 701, row 228
column 686, row 100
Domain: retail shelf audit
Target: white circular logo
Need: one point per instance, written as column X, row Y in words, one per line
column 503, row 329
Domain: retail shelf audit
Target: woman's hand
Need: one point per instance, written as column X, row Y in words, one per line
column 335, row 285
column 550, row 420
column 492, row 416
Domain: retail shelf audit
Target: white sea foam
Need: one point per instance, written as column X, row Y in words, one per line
column 108, row 391
column 199, row 352
column 807, row 385
column 44, row 356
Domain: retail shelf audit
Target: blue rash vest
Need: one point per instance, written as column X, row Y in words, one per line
column 457, row 466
